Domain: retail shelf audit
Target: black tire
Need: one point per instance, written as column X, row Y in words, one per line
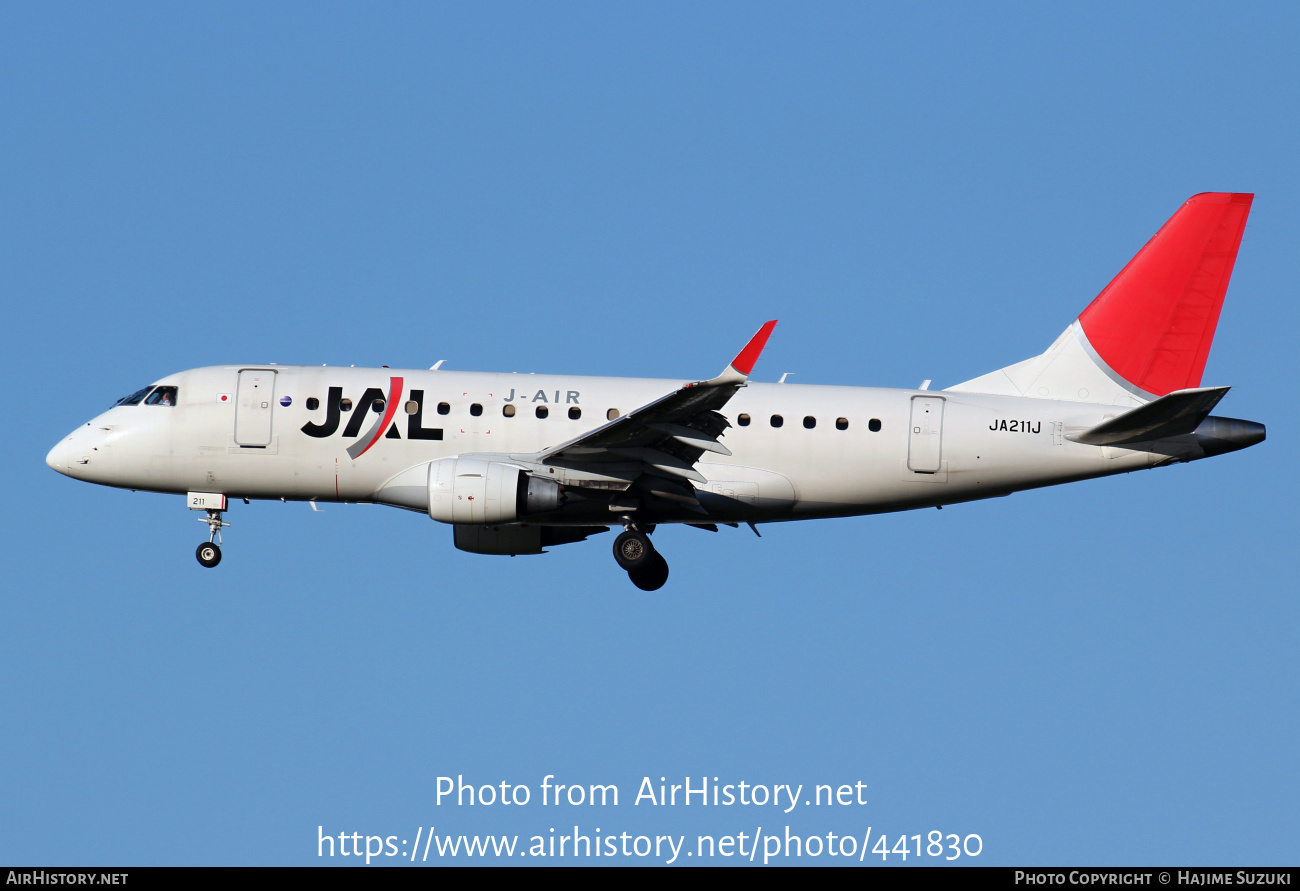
column 208, row 554
column 653, row 575
column 632, row 550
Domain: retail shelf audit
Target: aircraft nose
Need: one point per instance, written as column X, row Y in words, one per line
column 69, row 454
column 59, row 457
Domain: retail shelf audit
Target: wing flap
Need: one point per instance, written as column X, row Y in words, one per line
column 691, row 437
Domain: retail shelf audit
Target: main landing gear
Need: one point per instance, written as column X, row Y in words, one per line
column 209, row 553
column 645, row 566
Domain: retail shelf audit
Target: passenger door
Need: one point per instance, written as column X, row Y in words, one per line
column 925, row 436
column 254, row 402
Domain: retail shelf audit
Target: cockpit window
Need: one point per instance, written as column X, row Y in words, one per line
column 162, row 396
column 134, row 398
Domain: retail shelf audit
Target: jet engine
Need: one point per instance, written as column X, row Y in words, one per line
column 477, row 491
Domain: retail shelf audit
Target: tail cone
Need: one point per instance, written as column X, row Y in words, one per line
column 1219, row 435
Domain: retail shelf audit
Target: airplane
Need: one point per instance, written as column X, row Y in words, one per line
column 518, row 463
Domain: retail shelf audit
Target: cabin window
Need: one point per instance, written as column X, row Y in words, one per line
column 134, row 398
column 444, row 408
column 377, row 406
column 345, row 405
column 841, row 423
column 611, row 415
column 874, row 425
column 412, row 407
column 743, row 420
column 476, row 409
column 542, row 411
column 809, row 422
column 162, row 396
column 574, row 413
column 312, row 403
column 508, row 411
column 777, row 420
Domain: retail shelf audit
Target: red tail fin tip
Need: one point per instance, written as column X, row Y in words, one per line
column 1154, row 323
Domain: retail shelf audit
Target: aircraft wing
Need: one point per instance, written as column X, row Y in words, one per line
column 667, row 436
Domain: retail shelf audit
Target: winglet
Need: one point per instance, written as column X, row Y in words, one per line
column 743, row 364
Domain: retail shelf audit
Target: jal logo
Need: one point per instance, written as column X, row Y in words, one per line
column 376, row 401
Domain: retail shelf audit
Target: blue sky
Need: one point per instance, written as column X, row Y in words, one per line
column 1102, row 673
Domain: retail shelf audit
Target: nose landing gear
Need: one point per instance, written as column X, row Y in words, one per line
column 645, row 566
column 209, row 553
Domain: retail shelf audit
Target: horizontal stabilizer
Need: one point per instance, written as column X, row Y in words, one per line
column 1176, row 414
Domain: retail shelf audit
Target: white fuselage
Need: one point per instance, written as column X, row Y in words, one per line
column 930, row 448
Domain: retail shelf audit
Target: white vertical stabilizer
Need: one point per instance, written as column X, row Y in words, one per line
column 1070, row 370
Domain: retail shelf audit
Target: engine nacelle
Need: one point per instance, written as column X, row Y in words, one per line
column 468, row 490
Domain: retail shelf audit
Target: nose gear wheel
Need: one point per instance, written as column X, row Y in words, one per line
column 209, row 553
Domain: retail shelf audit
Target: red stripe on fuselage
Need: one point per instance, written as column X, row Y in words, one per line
column 394, row 397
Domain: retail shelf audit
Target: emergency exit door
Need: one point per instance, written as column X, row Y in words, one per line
column 253, row 406
column 925, row 435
